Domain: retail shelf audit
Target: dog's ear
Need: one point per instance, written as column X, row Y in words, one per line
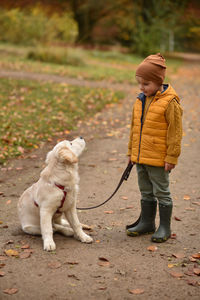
column 65, row 154
column 48, row 157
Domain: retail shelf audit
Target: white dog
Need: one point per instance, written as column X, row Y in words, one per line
column 49, row 204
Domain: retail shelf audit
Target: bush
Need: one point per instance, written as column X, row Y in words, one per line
column 56, row 56
column 33, row 27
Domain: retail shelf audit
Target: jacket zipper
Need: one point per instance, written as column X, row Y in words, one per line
column 142, row 122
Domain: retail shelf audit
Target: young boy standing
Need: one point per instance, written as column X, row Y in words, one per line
column 154, row 146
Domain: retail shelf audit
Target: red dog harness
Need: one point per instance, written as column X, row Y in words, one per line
column 63, row 199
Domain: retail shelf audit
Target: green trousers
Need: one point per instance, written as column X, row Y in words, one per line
column 154, row 184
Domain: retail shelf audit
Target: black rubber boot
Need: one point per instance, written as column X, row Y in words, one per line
column 146, row 222
column 164, row 231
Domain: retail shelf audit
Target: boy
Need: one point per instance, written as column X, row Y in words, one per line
column 154, row 145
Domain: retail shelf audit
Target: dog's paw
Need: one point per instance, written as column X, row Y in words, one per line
column 49, row 245
column 84, row 238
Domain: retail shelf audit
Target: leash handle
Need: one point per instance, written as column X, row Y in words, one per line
column 125, row 176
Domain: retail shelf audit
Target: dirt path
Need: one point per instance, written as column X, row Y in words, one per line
column 115, row 266
column 63, row 79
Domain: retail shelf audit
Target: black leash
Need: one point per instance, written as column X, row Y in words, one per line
column 125, row 176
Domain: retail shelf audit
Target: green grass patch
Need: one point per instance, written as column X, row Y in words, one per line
column 95, row 65
column 58, row 56
column 32, row 112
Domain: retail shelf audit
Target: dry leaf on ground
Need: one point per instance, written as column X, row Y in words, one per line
column 178, row 255
column 104, row 263
column 24, row 255
column 10, row 291
column 152, row 248
column 11, row 252
column 54, row 265
column 176, row 274
column 2, row 273
column 136, row 291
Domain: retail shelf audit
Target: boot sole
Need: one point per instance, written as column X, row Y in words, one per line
column 135, row 233
column 159, row 240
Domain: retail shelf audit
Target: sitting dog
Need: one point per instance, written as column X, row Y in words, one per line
column 49, row 205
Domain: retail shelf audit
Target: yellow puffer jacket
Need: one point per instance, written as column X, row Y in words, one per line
column 156, row 130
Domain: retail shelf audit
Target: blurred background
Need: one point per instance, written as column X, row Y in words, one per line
column 83, row 40
column 139, row 26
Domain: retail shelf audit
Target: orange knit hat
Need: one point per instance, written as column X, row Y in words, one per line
column 152, row 68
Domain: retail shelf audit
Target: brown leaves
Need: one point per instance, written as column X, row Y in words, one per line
column 11, row 252
column 108, row 211
column 10, row 291
column 104, row 262
column 152, row 248
column 176, row 274
column 178, row 255
column 136, row 291
column 54, row 265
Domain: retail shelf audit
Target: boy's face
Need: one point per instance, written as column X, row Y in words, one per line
column 149, row 88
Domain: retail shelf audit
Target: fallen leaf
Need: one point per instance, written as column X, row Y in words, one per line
column 196, row 255
column 102, row 288
column 72, row 263
column 186, row 197
column 10, row 291
column 108, row 211
column 24, row 255
column 8, row 202
column 11, row 252
column 9, row 242
column 136, row 291
column 103, row 258
column 173, row 236
column 197, row 271
column 152, row 248
column 176, row 274
column 178, row 255
column 192, row 282
column 129, row 207
column 104, row 263
column 27, row 246
column 3, row 257
column 124, row 198
column 177, row 219
column 170, row 265
column 54, row 265
column 86, row 227
column 196, row 203
column 189, row 273
column 73, row 276
column 2, row 265
column 192, row 259
column 2, row 273
column 190, row 208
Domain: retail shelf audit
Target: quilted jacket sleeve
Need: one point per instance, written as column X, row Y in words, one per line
column 173, row 116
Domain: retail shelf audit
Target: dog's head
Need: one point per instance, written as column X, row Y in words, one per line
column 67, row 151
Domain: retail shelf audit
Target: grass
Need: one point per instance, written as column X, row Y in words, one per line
column 88, row 64
column 32, row 112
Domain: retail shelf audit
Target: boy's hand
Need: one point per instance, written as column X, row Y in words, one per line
column 129, row 160
column 169, row 167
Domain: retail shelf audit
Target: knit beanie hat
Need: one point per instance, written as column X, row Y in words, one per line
column 152, row 68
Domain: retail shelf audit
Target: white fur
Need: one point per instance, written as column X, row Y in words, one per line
column 62, row 169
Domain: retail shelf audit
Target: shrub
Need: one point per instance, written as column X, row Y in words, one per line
column 56, row 55
column 32, row 27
